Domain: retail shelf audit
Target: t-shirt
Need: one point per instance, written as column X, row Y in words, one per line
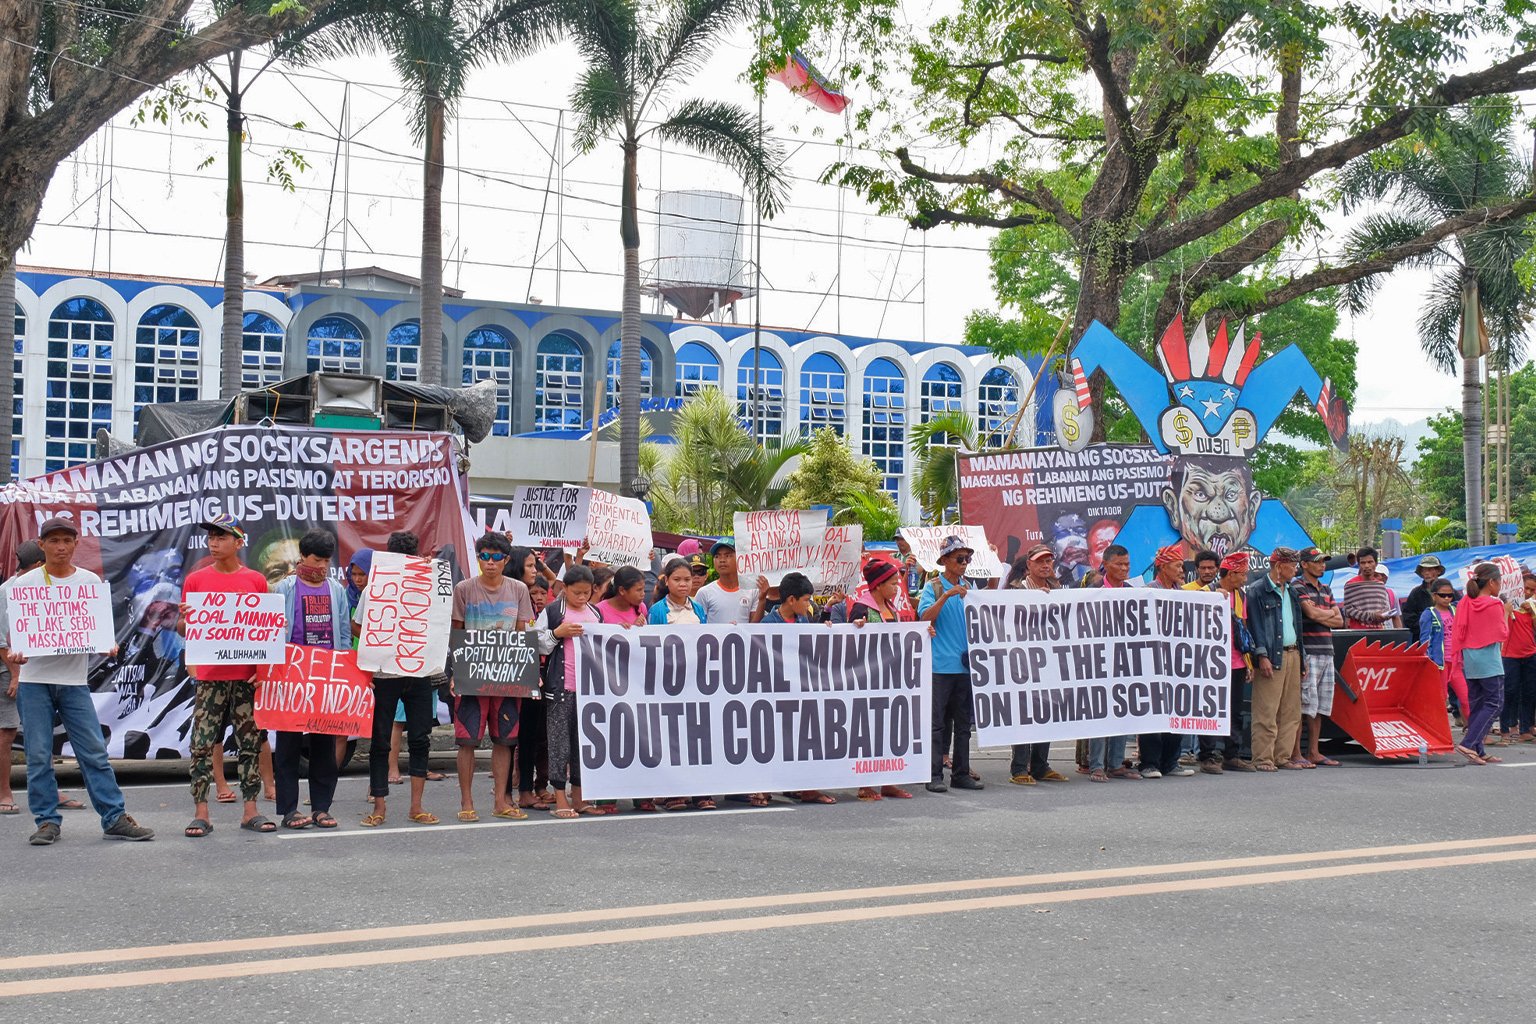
column 507, row 606
column 209, row 580
column 680, row 615
column 1522, row 639
column 585, row 615
column 722, row 605
column 314, row 620
column 1315, row 637
column 632, row 616
column 63, row 669
column 949, row 642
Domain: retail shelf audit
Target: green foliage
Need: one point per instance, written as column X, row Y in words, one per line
column 1432, row 533
column 932, row 446
column 1439, row 466
column 876, row 513
column 830, row 471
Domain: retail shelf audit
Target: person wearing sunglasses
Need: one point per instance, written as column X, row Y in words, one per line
column 943, row 604
column 491, row 600
column 1435, row 629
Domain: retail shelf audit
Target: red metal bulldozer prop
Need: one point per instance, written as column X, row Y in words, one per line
column 1390, row 698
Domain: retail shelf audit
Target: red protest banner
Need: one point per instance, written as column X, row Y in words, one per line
column 315, row 689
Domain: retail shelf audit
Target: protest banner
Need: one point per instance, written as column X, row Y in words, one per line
column 550, row 516
column 1075, row 664
column 696, row 710
column 1511, row 578
column 925, row 542
column 618, row 530
column 60, row 618
column 1074, row 501
column 406, row 615
column 774, row 542
column 138, row 514
column 837, row 569
column 235, row 629
column 495, row 663
column 315, row 689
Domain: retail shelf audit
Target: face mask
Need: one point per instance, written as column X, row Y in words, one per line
column 310, row 574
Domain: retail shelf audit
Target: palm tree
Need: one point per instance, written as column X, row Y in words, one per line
column 1432, row 533
column 637, row 55
column 434, row 45
column 934, row 443
column 1468, row 159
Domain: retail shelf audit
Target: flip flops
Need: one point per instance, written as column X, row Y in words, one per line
column 226, row 797
column 426, row 818
column 372, row 820
column 512, row 813
column 9, row 808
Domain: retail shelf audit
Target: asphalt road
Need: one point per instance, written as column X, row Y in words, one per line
column 1368, row 892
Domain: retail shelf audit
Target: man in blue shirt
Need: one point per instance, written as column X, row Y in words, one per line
column 943, row 603
column 1274, row 620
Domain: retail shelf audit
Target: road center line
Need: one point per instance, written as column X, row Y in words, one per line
column 44, row 961
column 726, row 926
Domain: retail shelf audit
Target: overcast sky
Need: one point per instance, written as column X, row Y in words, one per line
column 134, row 200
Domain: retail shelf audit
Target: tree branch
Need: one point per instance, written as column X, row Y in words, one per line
column 1095, row 43
column 1036, row 194
column 1329, row 277
column 1222, row 266
column 1506, row 76
column 925, row 219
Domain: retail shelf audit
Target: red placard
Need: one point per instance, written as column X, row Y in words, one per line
column 315, row 689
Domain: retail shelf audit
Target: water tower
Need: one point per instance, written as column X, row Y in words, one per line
column 698, row 269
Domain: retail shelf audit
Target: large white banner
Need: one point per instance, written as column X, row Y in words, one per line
column 1075, row 664
column 926, row 541
column 780, row 541
column 406, row 615
column 699, row 710
column 618, row 530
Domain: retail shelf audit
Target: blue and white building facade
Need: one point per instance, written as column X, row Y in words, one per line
column 92, row 351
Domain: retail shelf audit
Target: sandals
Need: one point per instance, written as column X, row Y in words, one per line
column 323, row 819
column 645, row 806
column 9, row 807
column 895, row 792
column 759, row 799
column 1098, row 775
column 869, row 793
column 425, row 818
column 469, row 816
column 435, row 776
column 257, row 824
column 565, row 813
column 1470, row 754
column 296, row 821
column 1264, row 766
column 512, row 813
column 197, row 828
column 1326, row 762
column 597, row 810
column 69, row 803
column 372, row 820
column 813, row 796
column 676, row 803
column 226, row 797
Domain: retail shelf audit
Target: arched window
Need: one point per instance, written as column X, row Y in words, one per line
column 885, row 419
column 16, row 403
column 402, row 352
column 998, row 403
column 943, row 391
column 167, row 357
column 335, row 345
column 261, row 351
column 613, row 384
column 762, row 400
column 81, row 334
column 557, row 398
column 697, row 368
column 488, row 356
column 823, row 394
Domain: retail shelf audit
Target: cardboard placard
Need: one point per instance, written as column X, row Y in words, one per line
column 60, row 619
column 235, row 629
column 315, row 689
column 495, row 663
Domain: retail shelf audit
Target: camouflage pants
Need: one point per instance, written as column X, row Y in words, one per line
column 218, row 702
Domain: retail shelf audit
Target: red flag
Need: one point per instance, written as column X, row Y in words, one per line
column 797, row 74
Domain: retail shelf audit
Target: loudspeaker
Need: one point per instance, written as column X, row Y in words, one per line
column 257, row 406
column 415, row 416
column 347, row 394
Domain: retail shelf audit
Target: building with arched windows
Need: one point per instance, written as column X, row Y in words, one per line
column 92, row 351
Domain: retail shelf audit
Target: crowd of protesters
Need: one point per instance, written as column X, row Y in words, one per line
column 1282, row 672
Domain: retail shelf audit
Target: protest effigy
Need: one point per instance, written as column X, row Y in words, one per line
column 235, row 628
column 495, row 663
column 137, row 513
column 1075, row 664
column 699, row 710
column 315, row 689
column 406, row 615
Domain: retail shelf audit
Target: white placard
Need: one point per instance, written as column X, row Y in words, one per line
column 926, row 541
column 842, row 551
column 697, row 710
column 618, row 531
column 60, row 618
column 224, row 628
column 407, row 615
column 779, row 541
column 550, row 516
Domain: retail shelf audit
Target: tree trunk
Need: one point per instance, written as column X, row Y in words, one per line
column 432, row 369
column 1472, row 449
column 233, row 333
column 1097, row 299
column 629, row 326
column 7, row 345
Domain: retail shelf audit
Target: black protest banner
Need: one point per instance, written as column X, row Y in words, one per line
column 1074, row 664
column 693, row 710
column 495, row 663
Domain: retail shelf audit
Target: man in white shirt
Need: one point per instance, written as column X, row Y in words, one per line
column 57, row 684
column 726, row 600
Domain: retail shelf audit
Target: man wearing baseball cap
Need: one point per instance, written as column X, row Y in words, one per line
column 726, row 600
column 1036, row 570
column 56, row 684
column 1274, row 620
column 1320, row 616
column 1428, row 571
column 223, row 691
column 943, row 603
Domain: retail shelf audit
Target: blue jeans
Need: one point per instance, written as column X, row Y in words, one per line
column 37, row 703
column 1106, row 753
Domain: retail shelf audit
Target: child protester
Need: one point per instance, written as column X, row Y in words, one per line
column 558, row 626
column 794, row 608
column 675, row 605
